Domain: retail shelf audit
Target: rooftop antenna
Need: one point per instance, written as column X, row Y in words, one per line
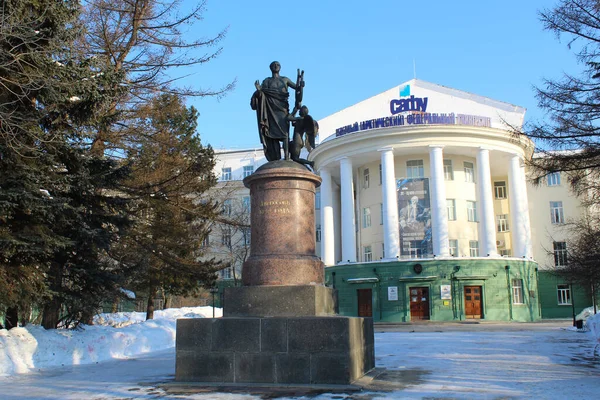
column 414, row 69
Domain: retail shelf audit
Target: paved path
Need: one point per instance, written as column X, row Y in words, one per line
column 425, row 360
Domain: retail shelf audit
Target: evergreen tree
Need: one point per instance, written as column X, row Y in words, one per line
column 48, row 95
column 170, row 187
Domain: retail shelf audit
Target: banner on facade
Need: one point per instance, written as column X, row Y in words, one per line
column 414, row 217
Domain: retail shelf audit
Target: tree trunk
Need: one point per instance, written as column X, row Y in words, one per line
column 594, row 299
column 25, row 314
column 87, row 317
column 51, row 314
column 150, row 307
column 12, row 317
column 51, row 311
column 115, row 305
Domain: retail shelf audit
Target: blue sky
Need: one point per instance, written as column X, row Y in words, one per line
column 351, row 50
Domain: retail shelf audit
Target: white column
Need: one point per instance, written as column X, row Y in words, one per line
column 439, row 212
column 327, row 231
column 391, row 232
column 347, row 200
column 519, row 209
column 487, row 221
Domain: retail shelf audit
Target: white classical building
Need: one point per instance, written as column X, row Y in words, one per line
column 460, row 142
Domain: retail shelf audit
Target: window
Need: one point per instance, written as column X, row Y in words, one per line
column 414, row 248
column 502, row 222
column 318, row 233
column 553, row 179
column 225, row 174
column 380, row 175
column 226, row 237
column 506, row 253
column 366, row 217
column 226, row 208
column 248, row 170
column 471, row 211
column 246, row 235
column 414, row 169
column 318, row 200
column 473, row 248
column 366, row 178
column 556, row 212
column 246, row 203
column 564, row 295
column 448, row 171
column 382, row 250
column 469, row 172
column 367, row 254
column 451, row 209
column 517, row 291
column 560, row 254
column 453, row 247
column 226, row 273
column 500, row 190
column 381, row 214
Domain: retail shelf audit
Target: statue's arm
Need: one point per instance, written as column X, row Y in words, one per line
column 257, row 85
column 289, row 82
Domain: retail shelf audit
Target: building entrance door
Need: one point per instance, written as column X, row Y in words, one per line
column 365, row 302
column 419, row 303
column 473, row 302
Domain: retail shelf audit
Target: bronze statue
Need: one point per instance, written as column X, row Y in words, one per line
column 270, row 101
column 305, row 124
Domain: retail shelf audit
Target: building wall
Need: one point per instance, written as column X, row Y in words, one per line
column 542, row 228
column 491, row 275
column 548, row 289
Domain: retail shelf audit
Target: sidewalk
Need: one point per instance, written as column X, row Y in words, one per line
column 472, row 326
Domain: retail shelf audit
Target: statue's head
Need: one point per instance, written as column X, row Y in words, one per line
column 303, row 111
column 275, row 66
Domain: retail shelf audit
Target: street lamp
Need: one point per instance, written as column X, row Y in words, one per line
column 213, row 291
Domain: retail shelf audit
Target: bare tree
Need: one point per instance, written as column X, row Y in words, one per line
column 145, row 42
column 569, row 139
column 582, row 266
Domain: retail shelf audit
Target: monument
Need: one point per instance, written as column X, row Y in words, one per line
column 281, row 326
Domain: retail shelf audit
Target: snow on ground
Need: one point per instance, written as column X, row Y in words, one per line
column 114, row 336
column 541, row 361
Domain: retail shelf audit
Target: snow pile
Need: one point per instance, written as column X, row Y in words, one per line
column 585, row 314
column 593, row 323
column 116, row 336
column 122, row 319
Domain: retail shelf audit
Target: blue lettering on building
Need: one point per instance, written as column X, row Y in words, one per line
column 421, row 118
column 412, row 103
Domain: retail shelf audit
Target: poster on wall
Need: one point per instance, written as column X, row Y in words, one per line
column 414, row 217
column 445, row 291
column 392, row 293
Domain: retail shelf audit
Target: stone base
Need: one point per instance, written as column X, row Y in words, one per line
column 279, row 301
column 310, row 350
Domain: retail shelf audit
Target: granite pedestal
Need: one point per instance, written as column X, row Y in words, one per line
column 281, row 327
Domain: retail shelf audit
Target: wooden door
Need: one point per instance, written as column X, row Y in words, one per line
column 419, row 303
column 473, row 302
column 365, row 303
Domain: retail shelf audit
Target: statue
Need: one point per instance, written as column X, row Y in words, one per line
column 305, row 124
column 270, row 101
